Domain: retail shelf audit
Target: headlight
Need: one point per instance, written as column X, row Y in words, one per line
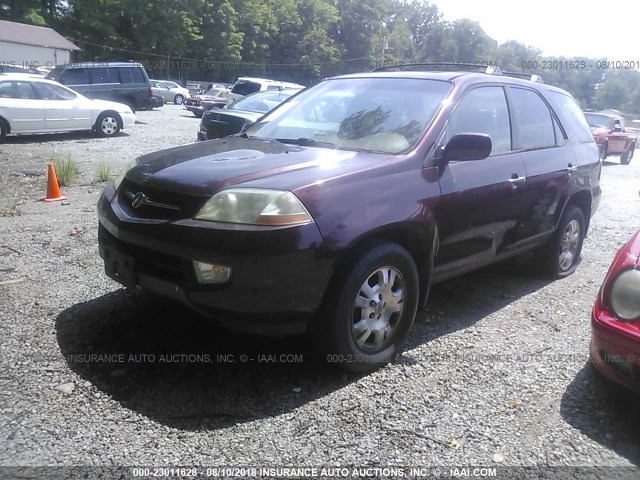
column 123, row 172
column 625, row 295
column 255, row 206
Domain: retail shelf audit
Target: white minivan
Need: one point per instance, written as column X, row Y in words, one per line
column 247, row 85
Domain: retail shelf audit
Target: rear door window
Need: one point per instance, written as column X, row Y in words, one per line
column 104, row 75
column 75, row 76
column 534, row 120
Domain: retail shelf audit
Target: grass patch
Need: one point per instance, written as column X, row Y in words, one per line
column 103, row 172
column 66, row 169
column 8, row 204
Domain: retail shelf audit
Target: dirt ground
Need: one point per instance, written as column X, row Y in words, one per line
column 71, row 393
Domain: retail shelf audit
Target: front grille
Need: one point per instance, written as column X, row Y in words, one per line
column 156, row 203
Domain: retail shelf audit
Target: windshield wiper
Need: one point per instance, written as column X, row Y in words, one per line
column 306, row 142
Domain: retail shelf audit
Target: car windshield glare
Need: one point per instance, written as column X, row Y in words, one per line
column 260, row 102
column 596, row 120
column 384, row 115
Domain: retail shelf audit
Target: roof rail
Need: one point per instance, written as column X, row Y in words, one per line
column 433, row 65
column 489, row 70
column 526, row 76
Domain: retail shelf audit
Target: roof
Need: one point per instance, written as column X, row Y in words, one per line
column 33, row 35
column 457, row 76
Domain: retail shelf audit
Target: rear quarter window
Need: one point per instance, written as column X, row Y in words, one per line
column 131, row 75
column 570, row 115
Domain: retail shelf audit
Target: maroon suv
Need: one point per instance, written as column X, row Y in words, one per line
column 334, row 213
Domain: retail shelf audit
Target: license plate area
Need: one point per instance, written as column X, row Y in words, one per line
column 119, row 266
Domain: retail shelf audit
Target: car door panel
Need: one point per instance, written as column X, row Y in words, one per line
column 67, row 114
column 478, row 210
column 481, row 200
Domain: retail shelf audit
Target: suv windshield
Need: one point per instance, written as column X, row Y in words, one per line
column 244, row 87
column 261, row 102
column 595, row 120
column 385, row 115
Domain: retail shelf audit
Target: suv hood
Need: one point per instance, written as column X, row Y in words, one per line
column 208, row 98
column 204, row 168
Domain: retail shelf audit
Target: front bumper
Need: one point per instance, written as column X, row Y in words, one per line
column 128, row 119
column 615, row 348
column 194, row 108
column 278, row 277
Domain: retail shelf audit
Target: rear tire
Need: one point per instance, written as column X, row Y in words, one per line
column 369, row 308
column 3, row 130
column 628, row 155
column 559, row 257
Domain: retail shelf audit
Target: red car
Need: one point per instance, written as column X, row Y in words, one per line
column 615, row 320
column 612, row 136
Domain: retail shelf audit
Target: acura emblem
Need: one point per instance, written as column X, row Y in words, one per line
column 139, row 199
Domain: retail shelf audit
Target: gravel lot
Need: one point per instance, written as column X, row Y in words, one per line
column 93, row 374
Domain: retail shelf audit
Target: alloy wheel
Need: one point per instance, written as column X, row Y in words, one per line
column 569, row 245
column 378, row 308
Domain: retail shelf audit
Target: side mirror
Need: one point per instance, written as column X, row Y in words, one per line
column 465, row 147
column 617, row 128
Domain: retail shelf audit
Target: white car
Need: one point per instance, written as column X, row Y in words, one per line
column 170, row 91
column 37, row 105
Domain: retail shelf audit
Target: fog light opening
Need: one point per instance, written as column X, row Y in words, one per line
column 211, row 272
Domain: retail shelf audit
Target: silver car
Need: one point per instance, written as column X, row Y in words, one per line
column 169, row 91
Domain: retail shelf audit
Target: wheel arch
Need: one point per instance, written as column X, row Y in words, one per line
column 581, row 199
column 419, row 240
column 115, row 114
column 6, row 123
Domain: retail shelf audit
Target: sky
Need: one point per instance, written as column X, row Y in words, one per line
column 567, row 28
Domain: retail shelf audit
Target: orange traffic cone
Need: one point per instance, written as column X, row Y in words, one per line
column 53, row 187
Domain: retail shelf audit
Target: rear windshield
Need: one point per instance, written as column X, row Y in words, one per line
column 244, row 87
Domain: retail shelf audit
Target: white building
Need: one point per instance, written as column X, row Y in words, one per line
column 32, row 46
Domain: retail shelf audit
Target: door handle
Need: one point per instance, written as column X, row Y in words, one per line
column 515, row 179
column 571, row 168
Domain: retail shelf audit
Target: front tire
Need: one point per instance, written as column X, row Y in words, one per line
column 198, row 114
column 559, row 257
column 108, row 124
column 604, row 151
column 628, row 155
column 369, row 308
column 178, row 99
